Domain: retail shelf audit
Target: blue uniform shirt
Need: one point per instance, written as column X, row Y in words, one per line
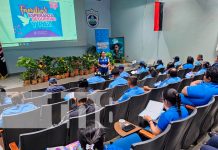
column 171, row 115
column 202, row 71
column 117, row 81
column 130, row 93
column 124, row 74
column 18, row 109
column 6, row 100
column 178, row 63
column 95, row 79
column 198, row 63
column 103, row 61
column 55, row 88
column 148, row 76
column 142, row 69
column 188, row 66
column 200, row 94
column 168, row 81
column 160, row 66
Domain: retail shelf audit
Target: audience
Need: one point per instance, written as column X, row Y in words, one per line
column 170, row 65
column 199, row 60
column 142, row 68
column 152, row 73
column 117, row 79
column 96, row 78
column 201, row 92
column 173, row 78
column 18, row 107
column 189, row 64
column 160, row 64
column 177, row 62
column 133, row 90
column 212, row 144
column 174, row 111
column 54, row 87
column 4, row 99
column 203, row 70
column 123, row 74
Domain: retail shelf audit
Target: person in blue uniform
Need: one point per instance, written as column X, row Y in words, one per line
column 54, row 87
column 142, row 68
column 177, row 62
column 103, row 63
column 123, row 73
column 201, row 92
column 203, row 70
column 96, row 78
column 170, row 65
column 117, row 79
column 18, row 107
column 152, row 73
column 133, row 90
column 173, row 78
column 189, row 64
column 4, row 99
column 160, row 64
column 212, row 144
column 174, row 111
column 199, row 59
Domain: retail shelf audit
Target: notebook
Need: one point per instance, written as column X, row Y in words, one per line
column 153, row 109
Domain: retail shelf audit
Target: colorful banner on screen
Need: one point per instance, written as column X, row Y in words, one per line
column 36, row 18
column 102, row 40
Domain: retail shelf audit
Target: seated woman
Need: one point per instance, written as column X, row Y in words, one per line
column 189, row 64
column 160, row 64
column 4, row 99
column 174, row 111
column 170, row 65
column 90, row 138
column 142, row 68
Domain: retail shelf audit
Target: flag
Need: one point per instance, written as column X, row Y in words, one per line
column 158, row 16
column 3, row 67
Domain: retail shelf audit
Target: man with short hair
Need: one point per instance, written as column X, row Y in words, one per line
column 199, row 61
column 123, row 74
column 117, row 79
column 177, row 61
column 54, row 87
column 133, row 90
column 201, row 92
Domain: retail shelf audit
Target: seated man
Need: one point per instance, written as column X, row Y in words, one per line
column 54, row 87
column 216, row 62
column 201, row 92
column 177, row 62
column 96, row 79
column 4, row 99
column 173, row 78
column 117, row 79
column 18, row 108
column 133, row 90
column 189, row 64
column 199, row 60
column 123, row 74
column 160, row 64
column 142, row 68
column 170, row 65
column 174, row 111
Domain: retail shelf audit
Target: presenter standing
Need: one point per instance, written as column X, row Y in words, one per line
column 103, row 63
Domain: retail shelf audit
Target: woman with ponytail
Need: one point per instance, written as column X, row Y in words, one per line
column 174, row 111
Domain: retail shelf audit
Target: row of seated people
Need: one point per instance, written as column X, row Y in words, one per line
column 209, row 84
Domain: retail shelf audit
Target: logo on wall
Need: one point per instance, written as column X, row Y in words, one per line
column 92, row 18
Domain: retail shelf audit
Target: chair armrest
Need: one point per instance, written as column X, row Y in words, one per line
column 190, row 107
column 13, row 146
column 147, row 134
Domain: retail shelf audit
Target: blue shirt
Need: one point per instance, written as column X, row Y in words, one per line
column 124, row 74
column 103, row 61
column 171, row 115
column 169, row 81
column 148, row 76
column 142, row 69
column 178, row 63
column 202, row 71
column 188, row 66
column 215, row 64
column 95, row 79
column 160, row 66
column 130, row 93
column 18, row 109
column 55, row 88
column 198, row 63
column 6, row 100
column 117, row 81
column 200, row 94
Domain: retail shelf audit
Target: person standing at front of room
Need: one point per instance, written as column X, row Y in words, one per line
column 103, row 63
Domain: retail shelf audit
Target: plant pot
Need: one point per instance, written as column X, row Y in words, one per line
column 34, row 82
column 76, row 72
column 45, row 78
column 58, row 77
column 26, row 82
column 67, row 75
column 72, row 74
column 40, row 80
column 63, row 76
column 81, row 72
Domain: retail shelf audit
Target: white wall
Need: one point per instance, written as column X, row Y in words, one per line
column 103, row 7
column 189, row 28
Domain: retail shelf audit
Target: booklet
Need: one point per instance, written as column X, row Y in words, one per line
column 153, row 109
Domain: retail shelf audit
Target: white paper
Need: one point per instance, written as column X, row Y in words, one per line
column 153, row 109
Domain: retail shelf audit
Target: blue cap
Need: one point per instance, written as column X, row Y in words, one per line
column 52, row 80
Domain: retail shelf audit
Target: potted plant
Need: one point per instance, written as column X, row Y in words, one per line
column 81, row 71
column 25, row 76
column 45, row 63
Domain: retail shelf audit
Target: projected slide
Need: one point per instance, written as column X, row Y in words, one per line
column 37, row 20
